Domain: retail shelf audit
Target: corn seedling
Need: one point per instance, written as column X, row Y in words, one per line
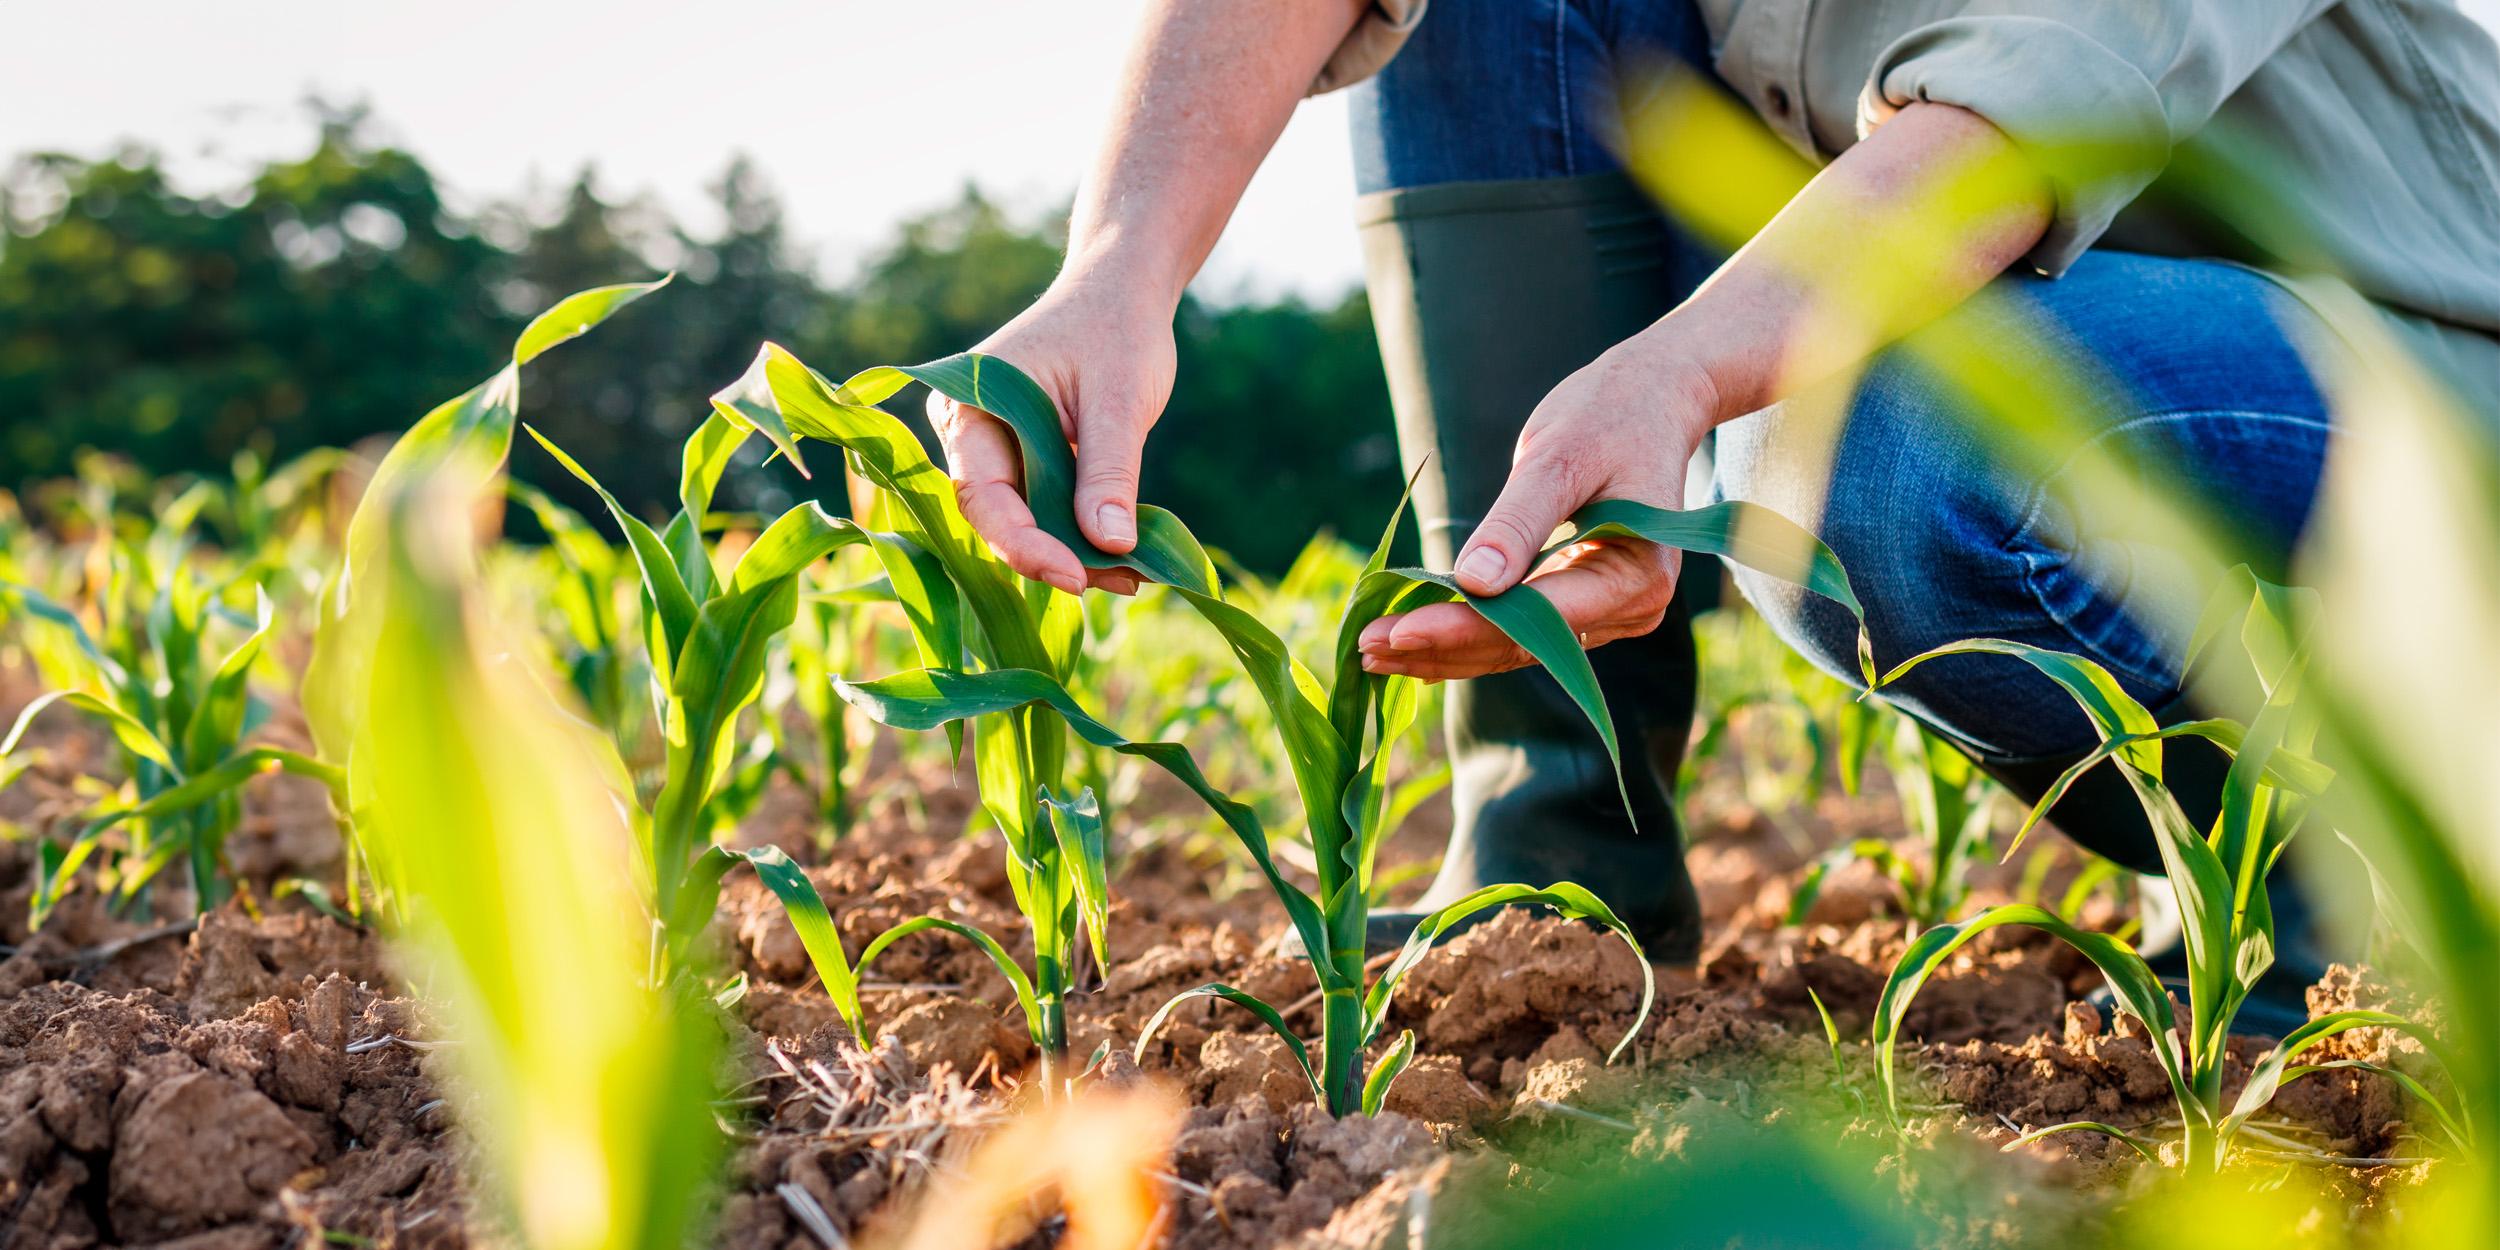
column 1946, row 801
column 2218, row 875
column 967, row 611
column 468, row 439
column 179, row 707
column 709, row 633
column 591, row 1085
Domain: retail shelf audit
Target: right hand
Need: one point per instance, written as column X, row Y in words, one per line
column 1103, row 352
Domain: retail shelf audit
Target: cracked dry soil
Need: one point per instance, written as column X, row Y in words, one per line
column 260, row 1082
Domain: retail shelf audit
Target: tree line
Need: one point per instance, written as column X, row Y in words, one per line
column 335, row 298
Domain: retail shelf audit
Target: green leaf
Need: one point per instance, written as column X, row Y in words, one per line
column 664, row 589
column 1078, row 827
column 2269, row 1074
column 705, row 458
column 1165, row 549
column 1376, row 1086
column 134, row 736
column 575, row 314
column 2140, row 1146
column 1573, row 901
column 886, row 452
column 2139, row 992
column 1366, row 795
column 917, row 580
column 800, row 537
column 806, row 909
column 1747, row 533
column 2114, row 713
column 218, row 722
column 925, row 699
column 36, row 604
column 1268, row 1015
column 1022, row 984
column 1528, row 618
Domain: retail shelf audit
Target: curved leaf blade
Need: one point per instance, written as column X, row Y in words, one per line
column 575, row 314
column 1573, row 901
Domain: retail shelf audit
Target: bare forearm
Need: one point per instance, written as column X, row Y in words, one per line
column 1910, row 222
column 1206, row 90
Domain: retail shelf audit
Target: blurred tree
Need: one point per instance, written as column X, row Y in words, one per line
column 320, row 305
column 336, row 298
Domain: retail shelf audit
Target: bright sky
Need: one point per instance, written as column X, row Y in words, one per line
column 860, row 111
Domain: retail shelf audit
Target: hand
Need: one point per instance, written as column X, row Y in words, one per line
column 1104, row 354
column 1621, row 428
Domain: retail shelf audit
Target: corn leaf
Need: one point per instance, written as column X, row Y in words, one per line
column 918, row 582
column 575, row 314
column 1078, row 827
column 925, row 699
column 2114, row 713
column 806, row 909
column 663, row 587
column 1165, row 549
column 1573, row 901
column 218, row 721
column 1022, row 984
column 2139, row 992
column 1749, row 534
column 134, row 736
column 2269, row 1074
column 2139, row 1145
column 1376, row 1086
column 1266, row 1014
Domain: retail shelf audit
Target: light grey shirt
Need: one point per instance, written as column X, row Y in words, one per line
column 2359, row 138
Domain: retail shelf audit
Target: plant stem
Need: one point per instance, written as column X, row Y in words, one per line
column 1341, row 1045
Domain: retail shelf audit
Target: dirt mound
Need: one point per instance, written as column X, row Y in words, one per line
column 157, row 1113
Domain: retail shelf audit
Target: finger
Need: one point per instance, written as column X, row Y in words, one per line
column 1446, row 670
column 1614, row 591
column 981, row 458
column 1439, row 627
column 1542, row 490
column 1117, row 581
column 1111, row 439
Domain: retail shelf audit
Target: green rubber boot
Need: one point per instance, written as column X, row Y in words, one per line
column 1486, row 295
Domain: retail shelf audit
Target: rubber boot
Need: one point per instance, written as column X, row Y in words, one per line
column 2101, row 812
column 1486, row 295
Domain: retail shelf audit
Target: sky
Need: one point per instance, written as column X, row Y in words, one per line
column 861, row 112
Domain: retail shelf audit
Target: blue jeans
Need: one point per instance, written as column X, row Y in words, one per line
column 1943, row 538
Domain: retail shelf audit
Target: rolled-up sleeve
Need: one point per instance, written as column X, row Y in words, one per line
column 1370, row 45
column 2096, row 96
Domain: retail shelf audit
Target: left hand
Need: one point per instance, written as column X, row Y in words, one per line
column 1621, row 428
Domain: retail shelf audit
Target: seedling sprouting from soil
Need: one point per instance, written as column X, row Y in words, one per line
column 2218, row 875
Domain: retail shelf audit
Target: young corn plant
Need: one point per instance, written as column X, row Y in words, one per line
column 1337, row 736
column 468, row 437
column 708, row 634
column 2218, row 875
column 178, row 705
column 969, row 615
column 590, row 1085
column 1946, row 801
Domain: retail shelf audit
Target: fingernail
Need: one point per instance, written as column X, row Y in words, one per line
column 1072, row 585
column 1115, row 523
column 1372, row 663
column 1483, row 566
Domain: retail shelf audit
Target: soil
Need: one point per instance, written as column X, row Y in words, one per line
column 257, row 1080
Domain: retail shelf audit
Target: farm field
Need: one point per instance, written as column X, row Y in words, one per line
column 793, row 881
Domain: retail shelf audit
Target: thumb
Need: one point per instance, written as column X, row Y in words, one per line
column 1538, row 496
column 1110, row 443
